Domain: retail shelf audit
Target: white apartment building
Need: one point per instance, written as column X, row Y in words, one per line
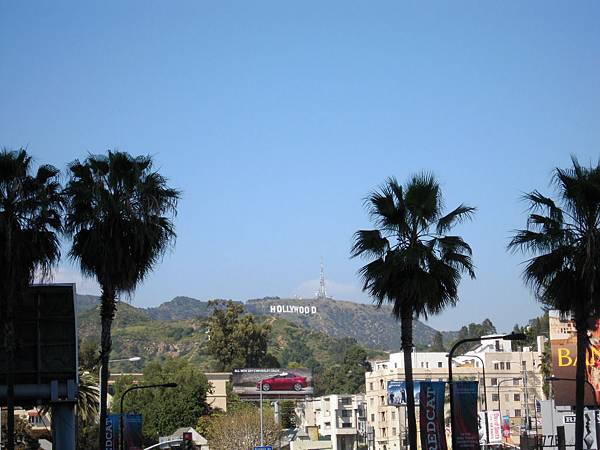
column 513, row 383
column 340, row 418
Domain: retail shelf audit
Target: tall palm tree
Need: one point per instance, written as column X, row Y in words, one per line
column 30, row 219
column 564, row 236
column 414, row 265
column 119, row 213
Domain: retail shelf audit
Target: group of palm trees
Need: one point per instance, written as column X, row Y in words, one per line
column 415, row 265
column 117, row 212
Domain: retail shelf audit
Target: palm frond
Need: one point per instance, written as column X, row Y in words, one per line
column 369, row 243
column 460, row 214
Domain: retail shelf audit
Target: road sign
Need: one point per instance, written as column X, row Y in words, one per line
column 266, row 447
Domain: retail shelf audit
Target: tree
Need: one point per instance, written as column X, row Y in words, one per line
column 31, row 207
column 165, row 410
column 241, row 429
column 414, row 265
column 564, row 237
column 119, row 213
column 236, row 340
column 438, row 343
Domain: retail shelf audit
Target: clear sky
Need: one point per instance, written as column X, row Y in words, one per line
column 277, row 118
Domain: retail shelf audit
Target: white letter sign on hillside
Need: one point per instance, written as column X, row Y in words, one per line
column 293, row 309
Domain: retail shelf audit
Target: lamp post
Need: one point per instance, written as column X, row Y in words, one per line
column 122, row 422
column 499, row 383
column 507, row 337
column 131, row 359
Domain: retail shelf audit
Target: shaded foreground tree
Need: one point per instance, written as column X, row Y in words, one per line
column 119, row 213
column 165, row 410
column 414, row 265
column 30, row 218
column 564, row 237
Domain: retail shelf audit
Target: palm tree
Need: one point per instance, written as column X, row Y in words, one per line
column 119, row 213
column 30, row 220
column 564, row 236
column 414, row 265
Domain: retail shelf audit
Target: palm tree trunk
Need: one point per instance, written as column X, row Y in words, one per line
column 107, row 313
column 10, row 379
column 582, row 344
column 407, row 346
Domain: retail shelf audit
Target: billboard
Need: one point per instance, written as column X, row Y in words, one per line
column 277, row 382
column 563, row 341
column 396, row 392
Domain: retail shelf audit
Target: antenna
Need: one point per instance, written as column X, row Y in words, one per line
column 322, row 293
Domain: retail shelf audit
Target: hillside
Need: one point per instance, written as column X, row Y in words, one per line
column 370, row 326
column 135, row 333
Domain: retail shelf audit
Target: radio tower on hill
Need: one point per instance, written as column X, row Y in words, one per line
column 322, row 293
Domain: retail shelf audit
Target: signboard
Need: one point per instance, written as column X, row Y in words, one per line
column 277, row 382
column 465, row 415
column 396, row 392
column 46, row 337
column 431, row 415
column 265, row 447
column 133, row 431
column 495, row 427
column 112, row 431
column 563, row 341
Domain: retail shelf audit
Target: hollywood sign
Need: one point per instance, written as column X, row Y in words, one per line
column 293, row 309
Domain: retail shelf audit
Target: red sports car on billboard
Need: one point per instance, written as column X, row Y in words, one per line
column 285, row 381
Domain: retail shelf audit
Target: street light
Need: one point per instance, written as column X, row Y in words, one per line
column 506, row 337
column 552, row 379
column 504, row 381
column 122, row 422
column 131, row 359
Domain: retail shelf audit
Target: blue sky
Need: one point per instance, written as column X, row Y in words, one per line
column 277, row 118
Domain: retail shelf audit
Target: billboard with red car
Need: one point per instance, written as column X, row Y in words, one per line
column 272, row 382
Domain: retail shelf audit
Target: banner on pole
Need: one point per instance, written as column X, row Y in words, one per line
column 465, row 415
column 431, row 415
column 495, row 427
column 111, row 431
column 133, row 432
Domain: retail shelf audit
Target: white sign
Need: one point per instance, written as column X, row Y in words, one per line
column 293, row 309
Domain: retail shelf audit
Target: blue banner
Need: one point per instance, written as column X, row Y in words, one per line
column 111, row 431
column 466, row 433
column 133, row 431
column 431, row 415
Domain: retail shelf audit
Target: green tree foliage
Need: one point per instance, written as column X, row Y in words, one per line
column 473, row 330
column 166, row 409
column 345, row 378
column 89, row 355
column 564, row 238
column 414, row 264
column 236, row 339
column 31, row 208
column 288, row 414
column 119, row 214
column 540, row 326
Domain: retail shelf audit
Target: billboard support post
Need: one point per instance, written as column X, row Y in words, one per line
column 261, row 416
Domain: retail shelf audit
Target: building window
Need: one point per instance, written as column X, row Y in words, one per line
column 327, row 425
column 346, row 400
column 524, row 364
column 371, row 401
column 384, row 432
column 496, row 366
column 380, row 384
column 383, row 416
column 346, row 425
column 372, row 418
column 517, row 413
column 517, row 397
column 382, row 400
column 394, row 431
column 507, row 366
column 498, row 346
column 393, row 415
column 502, row 366
column 427, row 365
column 515, row 382
column 439, row 364
column 370, row 386
column 494, row 381
column 346, row 413
column 494, row 397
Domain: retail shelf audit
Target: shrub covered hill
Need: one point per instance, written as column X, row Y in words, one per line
column 369, row 326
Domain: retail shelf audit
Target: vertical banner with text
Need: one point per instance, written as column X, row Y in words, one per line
column 133, row 431
column 112, row 432
column 431, row 415
column 466, row 433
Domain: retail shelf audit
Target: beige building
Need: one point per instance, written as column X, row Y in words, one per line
column 513, row 383
column 340, row 419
